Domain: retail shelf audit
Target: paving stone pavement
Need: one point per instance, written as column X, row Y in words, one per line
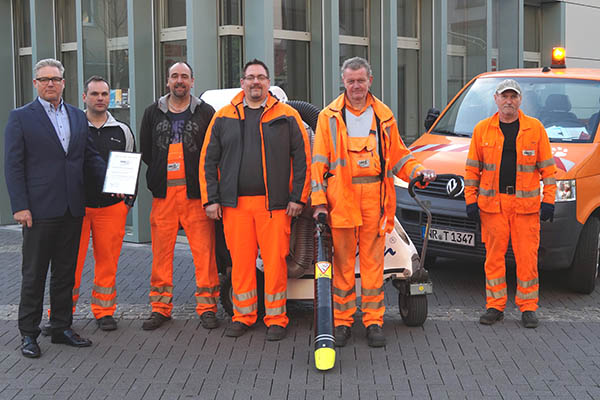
column 451, row 356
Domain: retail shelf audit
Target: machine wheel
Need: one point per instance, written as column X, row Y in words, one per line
column 227, row 293
column 413, row 309
column 584, row 269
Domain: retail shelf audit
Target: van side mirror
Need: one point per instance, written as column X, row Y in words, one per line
column 432, row 115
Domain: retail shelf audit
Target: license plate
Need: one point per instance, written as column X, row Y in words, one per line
column 449, row 236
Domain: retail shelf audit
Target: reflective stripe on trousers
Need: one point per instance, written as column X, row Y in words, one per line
column 166, row 216
column 523, row 230
column 248, row 227
column 371, row 248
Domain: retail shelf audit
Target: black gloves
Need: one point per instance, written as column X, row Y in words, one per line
column 546, row 212
column 473, row 211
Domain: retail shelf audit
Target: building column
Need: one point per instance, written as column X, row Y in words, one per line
column 510, row 41
column 434, row 55
column 7, row 101
column 202, row 39
column 331, row 54
column 43, row 34
column 141, row 78
column 315, row 52
column 554, row 29
column 258, row 32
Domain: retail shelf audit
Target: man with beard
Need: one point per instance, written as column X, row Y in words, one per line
column 255, row 174
column 509, row 154
column 171, row 137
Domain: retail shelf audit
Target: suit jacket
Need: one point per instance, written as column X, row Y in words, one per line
column 39, row 175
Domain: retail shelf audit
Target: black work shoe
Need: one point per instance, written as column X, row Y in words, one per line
column 275, row 332
column 236, row 329
column 29, row 347
column 46, row 329
column 342, row 334
column 107, row 323
column 375, row 337
column 529, row 319
column 490, row 316
column 209, row 320
column 70, row 338
column 155, row 321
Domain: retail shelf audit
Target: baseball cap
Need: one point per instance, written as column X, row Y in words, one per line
column 508, row 84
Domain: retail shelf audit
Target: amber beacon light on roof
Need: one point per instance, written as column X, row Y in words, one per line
column 558, row 57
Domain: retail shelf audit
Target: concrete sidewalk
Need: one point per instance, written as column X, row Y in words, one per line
column 450, row 357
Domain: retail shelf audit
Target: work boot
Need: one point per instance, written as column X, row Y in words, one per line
column 375, row 337
column 156, row 320
column 30, row 347
column 46, row 329
column 275, row 333
column 236, row 329
column 342, row 334
column 209, row 320
column 107, row 323
column 491, row 316
column 529, row 319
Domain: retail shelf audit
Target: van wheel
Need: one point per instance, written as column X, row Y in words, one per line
column 413, row 309
column 226, row 293
column 584, row 269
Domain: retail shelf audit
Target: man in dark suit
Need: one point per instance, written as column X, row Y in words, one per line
column 47, row 148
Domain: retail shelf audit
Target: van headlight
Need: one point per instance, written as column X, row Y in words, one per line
column 400, row 183
column 565, row 190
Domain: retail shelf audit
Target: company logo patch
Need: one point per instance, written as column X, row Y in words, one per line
column 529, row 152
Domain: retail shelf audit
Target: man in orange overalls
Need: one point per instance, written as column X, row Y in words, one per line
column 171, row 137
column 255, row 174
column 357, row 152
column 509, row 153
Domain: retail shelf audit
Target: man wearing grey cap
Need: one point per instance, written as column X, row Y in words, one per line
column 509, row 154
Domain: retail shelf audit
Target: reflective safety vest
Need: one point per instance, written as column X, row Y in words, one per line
column 331, row 171
column 534, row 163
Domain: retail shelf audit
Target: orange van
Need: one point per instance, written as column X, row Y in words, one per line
column 567, row 102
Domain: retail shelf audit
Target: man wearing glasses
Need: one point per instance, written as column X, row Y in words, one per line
column 47, row 149
column 255, row 174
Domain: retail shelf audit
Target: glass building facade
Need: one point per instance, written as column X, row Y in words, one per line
column 422, row 51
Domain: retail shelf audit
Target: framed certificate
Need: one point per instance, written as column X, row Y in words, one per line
column 122, row 172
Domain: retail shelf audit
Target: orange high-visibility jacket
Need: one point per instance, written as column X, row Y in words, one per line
column 285, row 151
column 534, row 160
column 332, row 174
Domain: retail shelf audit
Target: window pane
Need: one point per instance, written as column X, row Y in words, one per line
column 408, row 94
column 105, row 51
column 174, row 13
column 69, row 61
column 170, row 53
column 467, row 36
column 23, row 23
column 531, row 25
column 231, row 12
column 291, row 68
column 231, row 61
column 407, row 18
column 25, row 90
column 290, row 15
column 353, row 18
column 65, row 10
column 531, row 64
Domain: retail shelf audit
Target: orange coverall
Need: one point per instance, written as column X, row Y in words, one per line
column 510, row 216
column 360, row 202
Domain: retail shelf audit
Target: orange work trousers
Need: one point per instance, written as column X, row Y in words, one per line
column 165, row 218
column 523, row 230
column 107, row 226
column 247, row 227
column 371, row 247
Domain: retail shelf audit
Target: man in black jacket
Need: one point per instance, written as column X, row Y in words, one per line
column 171, row 137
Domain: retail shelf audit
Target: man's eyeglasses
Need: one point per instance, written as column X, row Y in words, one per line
column 44, row 80
column 251, row 78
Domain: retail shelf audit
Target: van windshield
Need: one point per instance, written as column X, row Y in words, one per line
column 568, row 108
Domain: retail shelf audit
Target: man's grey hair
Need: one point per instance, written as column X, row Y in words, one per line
column 356, row 63
column 49, row 62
